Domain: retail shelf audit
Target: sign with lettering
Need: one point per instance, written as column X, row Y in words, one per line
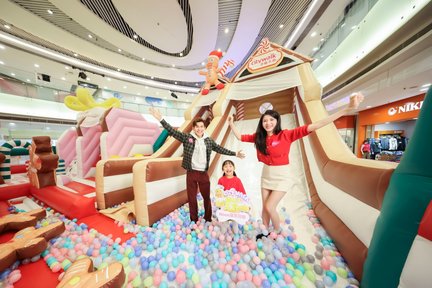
column 265, row 58
column 407, row 107
column 233, row 205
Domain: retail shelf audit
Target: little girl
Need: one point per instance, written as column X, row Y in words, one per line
column 229, row 179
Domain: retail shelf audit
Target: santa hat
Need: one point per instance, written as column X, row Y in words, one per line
column 216, row 53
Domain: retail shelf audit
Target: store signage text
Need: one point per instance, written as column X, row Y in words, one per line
column 265, row 61
column 411, row 106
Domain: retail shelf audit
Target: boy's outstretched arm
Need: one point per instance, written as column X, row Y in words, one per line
column 355, row 101
column 171, row 131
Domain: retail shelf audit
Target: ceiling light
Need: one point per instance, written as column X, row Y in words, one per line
column 343, row 24
column 1, row 62
column 105, row 87
column 152, row 77
column 124, row 87
column 313, row 34
column 119, row 50
column 202, row 63
column 316, row 60
column 143, row 59
column 50, row 12
column 196, row 84
column 281, row 26
column 139, row 93
column 426, row 85
column 315, row 49
column 63, row 78
column 219, row 49
column 109, row 79
column 146, row 87
column 28, row 80
column 226, row 30
column 2, row 47
column 300, row 24
column 387, row 122
column 175, row 82
column 322, row 39
column 7, row 26
column 75, row 54
column 118, row 69
column 67, row 67
column 90, row 36
column 173, row 65
column 157, row 92
column 181, row 54
column 88, row 78
column 353, row 27
column 36, row 65
column 13, row 74
column 423, row 89
column 369, row 106
column 135, row 36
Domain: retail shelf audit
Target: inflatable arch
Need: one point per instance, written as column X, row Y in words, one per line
column 6, row 149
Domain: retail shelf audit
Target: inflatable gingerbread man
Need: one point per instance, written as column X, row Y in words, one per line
column 213, row 70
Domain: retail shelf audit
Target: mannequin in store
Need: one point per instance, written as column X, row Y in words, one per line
column 365, row 149
column 273, row 145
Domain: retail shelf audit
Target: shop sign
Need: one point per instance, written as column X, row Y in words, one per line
column 407, row 107
column 266, row 57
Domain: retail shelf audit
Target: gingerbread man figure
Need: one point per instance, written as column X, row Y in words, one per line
column 212, row 72
column 28, row 243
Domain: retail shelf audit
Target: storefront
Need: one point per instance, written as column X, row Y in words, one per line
column 346, row 129
column 388, row 128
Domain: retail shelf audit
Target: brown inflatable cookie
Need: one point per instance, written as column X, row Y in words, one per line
column 28, row 243
column 81, row 275
column 20, row 221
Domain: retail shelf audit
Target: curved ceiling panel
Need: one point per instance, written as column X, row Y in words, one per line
column 14, row 15
column 252, row 16
column 168, row 33
column 204, row 34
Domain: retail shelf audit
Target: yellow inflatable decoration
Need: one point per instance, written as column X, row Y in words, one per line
column 84, row 101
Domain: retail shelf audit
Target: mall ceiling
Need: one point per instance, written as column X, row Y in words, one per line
column 152, row 47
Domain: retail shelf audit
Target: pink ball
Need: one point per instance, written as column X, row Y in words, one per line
column 315, row 239
column 180, row 277
column 295, row 256
column 132, row 276
column 324, row 264
column 248, row 276
column 257, row 280
column 236, row 257
column 157, row 279
column 287, row 278
column 243, row 267
column 256, row 260
column 228, row 268
column 241, row 276
column 158, row 272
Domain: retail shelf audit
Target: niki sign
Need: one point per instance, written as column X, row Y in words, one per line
column 407, row 107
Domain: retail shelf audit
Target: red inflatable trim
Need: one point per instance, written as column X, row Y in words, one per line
column 15, row 169
column 70, row 204
column 425, row 229
column 14, row 191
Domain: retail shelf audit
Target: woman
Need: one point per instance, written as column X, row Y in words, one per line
column 273, row 146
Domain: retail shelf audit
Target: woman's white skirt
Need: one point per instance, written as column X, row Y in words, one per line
column 275, row 178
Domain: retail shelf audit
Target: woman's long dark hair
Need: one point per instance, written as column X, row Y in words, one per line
column 261, row 133
column 228, row 162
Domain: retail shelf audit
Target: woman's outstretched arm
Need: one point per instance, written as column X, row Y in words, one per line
column 233, row 128
column 355, row 101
